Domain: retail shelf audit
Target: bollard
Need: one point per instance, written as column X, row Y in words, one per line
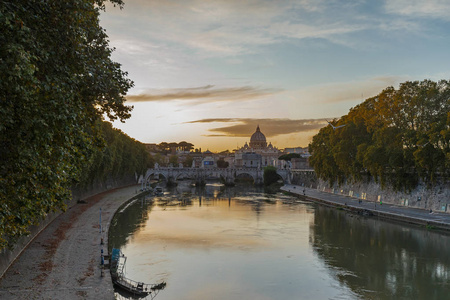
column 102, row 263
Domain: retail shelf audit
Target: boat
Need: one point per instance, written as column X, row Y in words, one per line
column 158, row 191
column 135, row 288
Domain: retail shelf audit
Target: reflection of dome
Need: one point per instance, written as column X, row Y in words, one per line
column 258, row 139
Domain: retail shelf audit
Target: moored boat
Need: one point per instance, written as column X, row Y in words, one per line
column 158, row 191
column 135, row 288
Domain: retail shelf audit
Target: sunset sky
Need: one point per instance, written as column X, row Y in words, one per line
column 208, row 72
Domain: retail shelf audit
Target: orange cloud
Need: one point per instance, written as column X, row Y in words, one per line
column 270, row 127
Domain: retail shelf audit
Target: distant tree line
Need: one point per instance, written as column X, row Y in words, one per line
column 167, row 148
column 398, row 137
column 57, row 82
column 289, row 156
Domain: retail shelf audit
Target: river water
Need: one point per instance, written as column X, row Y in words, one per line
column 241, row 243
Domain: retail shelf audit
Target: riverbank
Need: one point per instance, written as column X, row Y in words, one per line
column 63, row 261
column 421, row 217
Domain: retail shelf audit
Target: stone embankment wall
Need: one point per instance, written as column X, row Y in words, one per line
column 304, row 178
column 436, row 198
column 7, row 256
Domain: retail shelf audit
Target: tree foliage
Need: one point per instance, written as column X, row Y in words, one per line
column 270, row 175
column 188, row 161
column 289, row 156
column 57, row 80
column 166, row 148
column 119, row 156
column 173, row 160
column 396, row 137
column 221, row 163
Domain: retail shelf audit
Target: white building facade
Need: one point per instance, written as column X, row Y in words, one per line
column 258, row 145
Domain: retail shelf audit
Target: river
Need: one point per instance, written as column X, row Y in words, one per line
column 241, row 243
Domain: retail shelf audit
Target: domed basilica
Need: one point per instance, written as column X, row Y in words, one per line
column 268, row 154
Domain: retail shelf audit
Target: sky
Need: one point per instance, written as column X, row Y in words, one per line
column 209, row 72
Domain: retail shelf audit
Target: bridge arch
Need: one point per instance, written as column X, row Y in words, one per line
column 227, row 174
column 239, row 174
column 285, row 175
column 183, row 175
column 156, row 173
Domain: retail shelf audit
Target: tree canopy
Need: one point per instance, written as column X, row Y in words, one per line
column 167, row 148
column 289, row 156
column 270, row 175
column 396, row 137
column 57, row 80
column 119, row 157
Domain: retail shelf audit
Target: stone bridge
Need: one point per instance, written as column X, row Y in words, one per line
column 200, row 175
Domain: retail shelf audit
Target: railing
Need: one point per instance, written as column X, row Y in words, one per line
column 139, row 288
column 133, row 285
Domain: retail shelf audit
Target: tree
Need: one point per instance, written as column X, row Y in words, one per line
column 396, row 137
column 57, row 80
column 270, row 175
column 163, row 147
column 173, row 160
column 221, row 163
column 185, row 146
column 159, row 159
column 188, row 161
column 173, row 147
column 121, row 157
column 288, row 157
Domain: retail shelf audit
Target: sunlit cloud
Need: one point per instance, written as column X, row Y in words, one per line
column 244, row 127
column 207, row 93
column 353, row 91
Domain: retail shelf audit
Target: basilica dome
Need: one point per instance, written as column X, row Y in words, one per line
column 258, row 139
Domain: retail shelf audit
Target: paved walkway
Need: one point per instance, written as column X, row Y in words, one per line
column 398, row 213
column 63, row 261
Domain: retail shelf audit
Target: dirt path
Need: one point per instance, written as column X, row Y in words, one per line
column 63, row 261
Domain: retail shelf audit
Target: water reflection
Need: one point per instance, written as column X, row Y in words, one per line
column 128, row 220
column 239, row 243
column 381, row 260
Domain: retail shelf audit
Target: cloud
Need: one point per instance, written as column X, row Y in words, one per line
column 243, row 127
column 205, row 93
column 301, row 31
column 352, row 91
column 437, row 9
column 232, row 28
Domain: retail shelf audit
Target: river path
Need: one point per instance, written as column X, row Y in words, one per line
column 63, row 261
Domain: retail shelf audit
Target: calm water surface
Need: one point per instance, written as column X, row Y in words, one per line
column 240, row 243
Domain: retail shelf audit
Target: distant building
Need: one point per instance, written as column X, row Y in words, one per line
column 299, row 150
column 208, row 160
column 197, row 162
column 300, row 163
column 230, row 160
column 258, row 145
column 251, row 160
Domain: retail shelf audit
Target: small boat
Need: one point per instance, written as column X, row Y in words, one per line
column 132, row 287
column 158, row 191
